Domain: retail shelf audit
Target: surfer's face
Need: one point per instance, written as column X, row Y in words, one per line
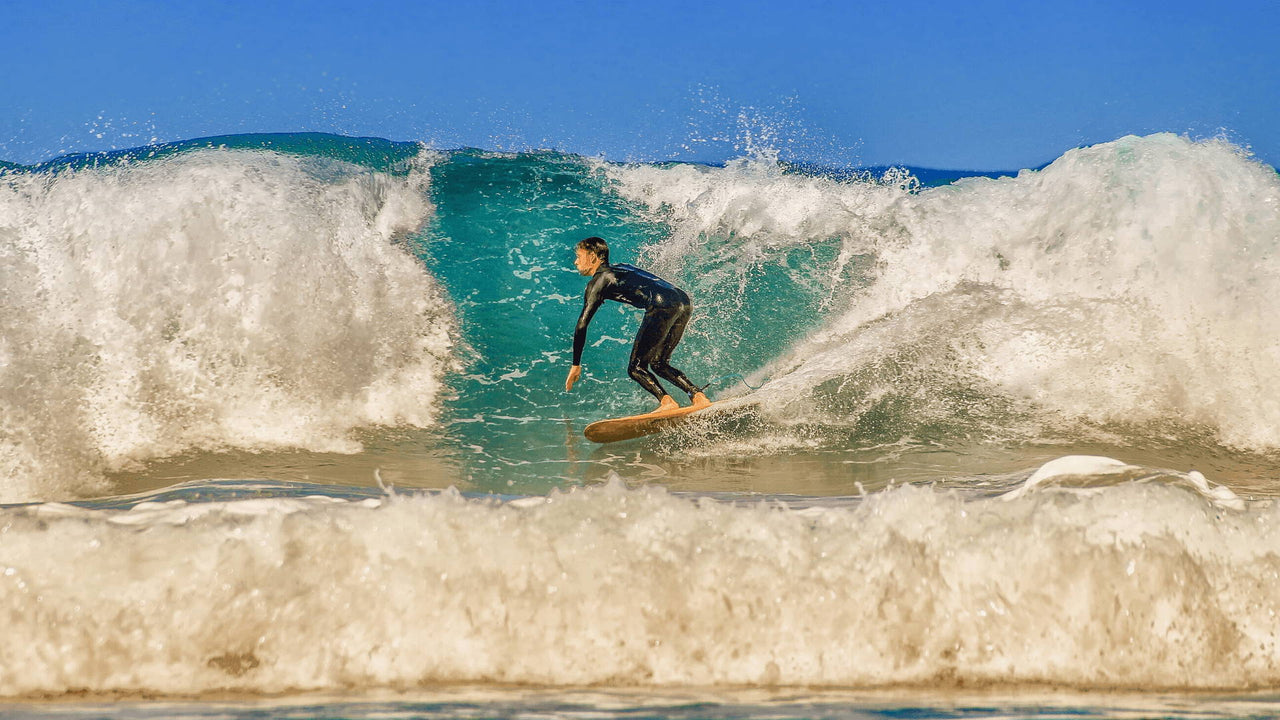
column 586, row 262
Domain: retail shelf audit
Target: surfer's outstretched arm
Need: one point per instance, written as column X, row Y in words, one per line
column 590, row 303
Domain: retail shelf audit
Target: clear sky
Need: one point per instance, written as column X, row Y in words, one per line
column 978, row 84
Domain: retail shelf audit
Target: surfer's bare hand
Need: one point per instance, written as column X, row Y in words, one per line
column 575, row 372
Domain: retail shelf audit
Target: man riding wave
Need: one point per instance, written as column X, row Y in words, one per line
column 666, row 313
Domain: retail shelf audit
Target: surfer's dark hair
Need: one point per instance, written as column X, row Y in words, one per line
column 596, row 246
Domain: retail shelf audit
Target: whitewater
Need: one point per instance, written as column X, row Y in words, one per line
column 1137, row 587
column 205, row 301
column 285, row 414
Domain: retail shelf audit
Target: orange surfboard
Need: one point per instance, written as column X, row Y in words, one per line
column 607, row 431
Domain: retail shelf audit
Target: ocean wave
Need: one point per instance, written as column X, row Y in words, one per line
column 1130, row 284
column 208, row 299
column 1128, row 582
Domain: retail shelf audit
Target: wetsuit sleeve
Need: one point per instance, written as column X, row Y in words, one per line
column 590, row 303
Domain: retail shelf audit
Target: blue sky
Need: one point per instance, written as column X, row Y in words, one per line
column 977, row 84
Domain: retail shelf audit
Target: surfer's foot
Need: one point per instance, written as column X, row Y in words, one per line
column 700, row 400
column 667, row 403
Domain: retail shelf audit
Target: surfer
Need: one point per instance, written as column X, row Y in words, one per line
column 666, row 313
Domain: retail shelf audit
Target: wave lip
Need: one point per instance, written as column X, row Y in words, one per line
column 208, row 300
column 1135, row 585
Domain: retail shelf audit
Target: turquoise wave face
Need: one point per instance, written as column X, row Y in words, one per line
column 501, row 241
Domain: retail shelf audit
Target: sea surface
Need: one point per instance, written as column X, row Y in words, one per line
column 283, row 433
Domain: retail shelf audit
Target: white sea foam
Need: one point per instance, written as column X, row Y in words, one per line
column 1108, row 471
column 208, row 300
column 762, row 208
column 1137, row 281
column 1134, row 585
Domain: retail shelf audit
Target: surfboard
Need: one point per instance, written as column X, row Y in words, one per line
column 634, row 426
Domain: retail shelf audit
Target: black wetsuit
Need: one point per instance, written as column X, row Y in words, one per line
column 666, row 313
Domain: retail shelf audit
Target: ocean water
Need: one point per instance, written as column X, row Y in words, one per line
column 283, row 433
